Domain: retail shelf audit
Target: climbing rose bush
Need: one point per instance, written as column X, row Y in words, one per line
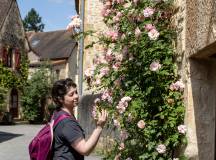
column 137, row 76
column 74, row 24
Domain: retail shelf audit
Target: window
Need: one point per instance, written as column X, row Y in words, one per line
column 9, row 58
column 14, row 102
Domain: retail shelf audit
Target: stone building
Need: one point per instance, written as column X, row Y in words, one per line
column 196, row 46
column 92, row 21
column 196, row 58
column 58, row 49
column 13, row 43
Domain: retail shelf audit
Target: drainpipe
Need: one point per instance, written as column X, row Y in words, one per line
column 81, row 48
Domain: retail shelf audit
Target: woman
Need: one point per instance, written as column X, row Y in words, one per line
column 69, row 139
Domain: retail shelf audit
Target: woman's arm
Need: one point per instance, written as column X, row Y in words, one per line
column 85, row 147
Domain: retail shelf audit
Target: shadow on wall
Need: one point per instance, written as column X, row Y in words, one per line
column 84, row 113
column 85, row 116
column 203, row 85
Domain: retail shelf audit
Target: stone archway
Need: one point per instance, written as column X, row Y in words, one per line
column 14, row 103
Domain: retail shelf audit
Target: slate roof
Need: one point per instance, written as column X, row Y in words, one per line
column 52, row 45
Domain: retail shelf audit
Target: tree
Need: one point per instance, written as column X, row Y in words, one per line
column 35, row 94
column 32, row 22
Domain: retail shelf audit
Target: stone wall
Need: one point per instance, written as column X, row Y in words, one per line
column 12, row 32
column 93, row 21
column 195, row 44
column 72, row 66
column 200, row 25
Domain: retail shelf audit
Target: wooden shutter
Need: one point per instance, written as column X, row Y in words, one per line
column 4, row 55
column 1, row 54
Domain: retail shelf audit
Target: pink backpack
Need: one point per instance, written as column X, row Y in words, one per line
column 41, row 145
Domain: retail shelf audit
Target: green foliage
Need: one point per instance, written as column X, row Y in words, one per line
column 14, row 78
column 36, row 91
column 153, row 99
column 3, row 94
column 33, row 22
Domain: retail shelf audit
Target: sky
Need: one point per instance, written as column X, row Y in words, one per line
column 55, row 13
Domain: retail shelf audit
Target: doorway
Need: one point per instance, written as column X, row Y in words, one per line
column 203, row 87
column 14, row 103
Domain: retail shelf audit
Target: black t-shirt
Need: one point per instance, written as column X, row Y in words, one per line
column 65, row 133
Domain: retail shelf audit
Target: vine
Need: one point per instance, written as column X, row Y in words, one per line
column 15, row 78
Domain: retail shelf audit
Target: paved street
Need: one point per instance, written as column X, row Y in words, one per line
column 14, row 142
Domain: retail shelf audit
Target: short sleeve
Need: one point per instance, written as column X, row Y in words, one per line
column 72, row 131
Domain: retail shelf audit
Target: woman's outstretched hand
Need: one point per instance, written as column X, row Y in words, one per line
column 85, row 147
column 102, row 118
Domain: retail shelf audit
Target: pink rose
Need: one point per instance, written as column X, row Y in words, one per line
column 161, row 148
column 141, row 124
column 109, row 56
column 98, row 81
column 121, row 109
column 75, row 23
column 155, row 65
column 112, row 34
column 121, row 146
column 116, row 19
column 116, row 66
column 104, row 71
column 148, row 12
column 107, row 96
column 182, row 129
column 126, row 99
column 119, row 57
column 89, row 72
column 179, row 85
column 105, row 12
column 149, row 27
column 153, row 34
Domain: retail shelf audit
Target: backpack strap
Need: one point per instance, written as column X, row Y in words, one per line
column 54, row 122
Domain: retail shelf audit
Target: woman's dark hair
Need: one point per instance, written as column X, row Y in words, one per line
column 60, row 89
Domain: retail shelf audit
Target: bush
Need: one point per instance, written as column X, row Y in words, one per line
column 35, row 94
column 3, row 97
